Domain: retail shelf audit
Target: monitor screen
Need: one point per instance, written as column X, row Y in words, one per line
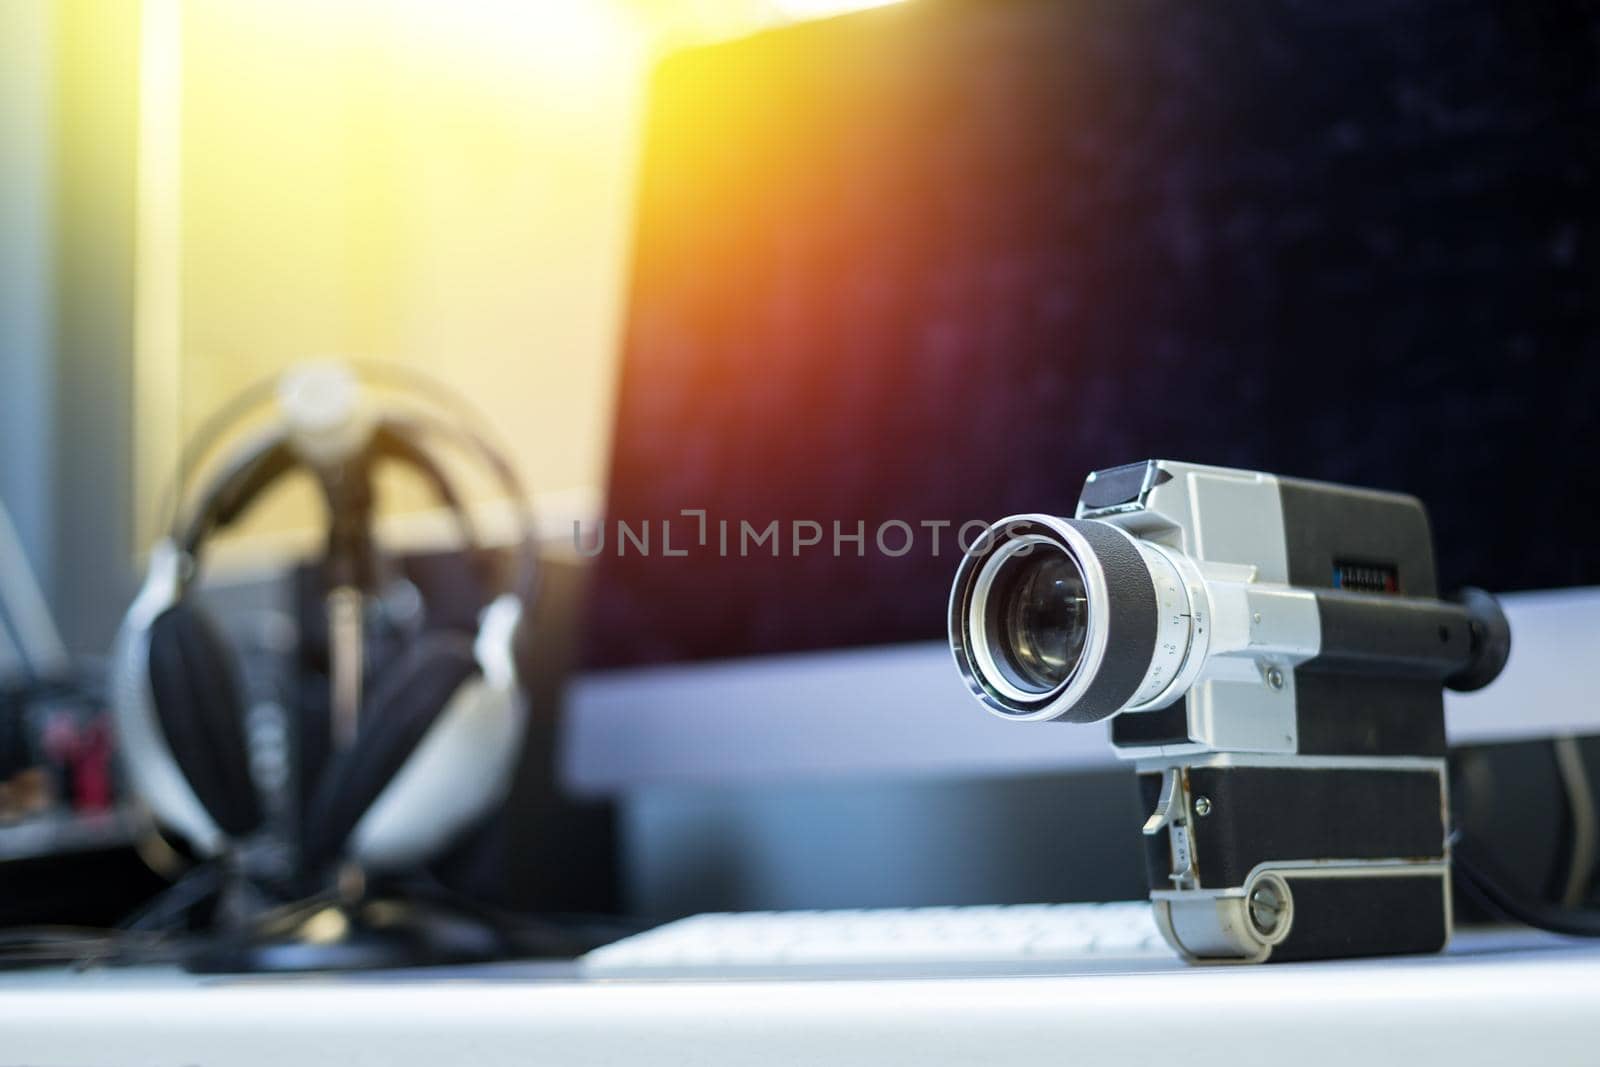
column 922, row 266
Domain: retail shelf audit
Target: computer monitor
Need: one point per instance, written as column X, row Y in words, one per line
column 934, row 263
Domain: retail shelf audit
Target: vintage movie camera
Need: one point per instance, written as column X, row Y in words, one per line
column 1271, row 653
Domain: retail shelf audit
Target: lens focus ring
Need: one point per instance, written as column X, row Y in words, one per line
column 1174, row 626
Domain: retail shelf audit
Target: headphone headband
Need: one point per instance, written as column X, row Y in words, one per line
column 399, row 437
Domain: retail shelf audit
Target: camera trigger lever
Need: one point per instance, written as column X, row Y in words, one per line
column 1172, row 813
column 1169, row 809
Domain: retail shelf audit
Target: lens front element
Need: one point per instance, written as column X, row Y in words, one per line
column 1042, row 612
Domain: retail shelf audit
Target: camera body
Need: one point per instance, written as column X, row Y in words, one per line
column 1271, row 653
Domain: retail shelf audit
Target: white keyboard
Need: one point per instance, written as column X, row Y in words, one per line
column 1016, row 939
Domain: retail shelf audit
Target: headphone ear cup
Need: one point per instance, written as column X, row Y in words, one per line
column 195, row 689
column 399, row 713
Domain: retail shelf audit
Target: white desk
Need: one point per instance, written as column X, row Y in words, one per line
column 1490, row 1002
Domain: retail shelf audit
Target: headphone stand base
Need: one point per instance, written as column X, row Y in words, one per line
column 384, row 933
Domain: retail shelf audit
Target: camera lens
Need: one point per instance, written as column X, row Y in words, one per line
column 1057, row 618
column 1041, row 618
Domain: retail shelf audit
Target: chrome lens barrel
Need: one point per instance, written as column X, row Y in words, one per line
column 1054, row 618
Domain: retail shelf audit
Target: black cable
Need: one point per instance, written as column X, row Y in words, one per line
column 1489, row 886
column 1574, row 775
column 155, row 932
column 82, row 946
column 563, row 935
column 173, row 904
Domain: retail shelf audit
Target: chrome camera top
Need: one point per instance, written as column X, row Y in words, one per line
column 1271, row 653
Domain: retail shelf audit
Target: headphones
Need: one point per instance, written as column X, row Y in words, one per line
column 439, row 731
